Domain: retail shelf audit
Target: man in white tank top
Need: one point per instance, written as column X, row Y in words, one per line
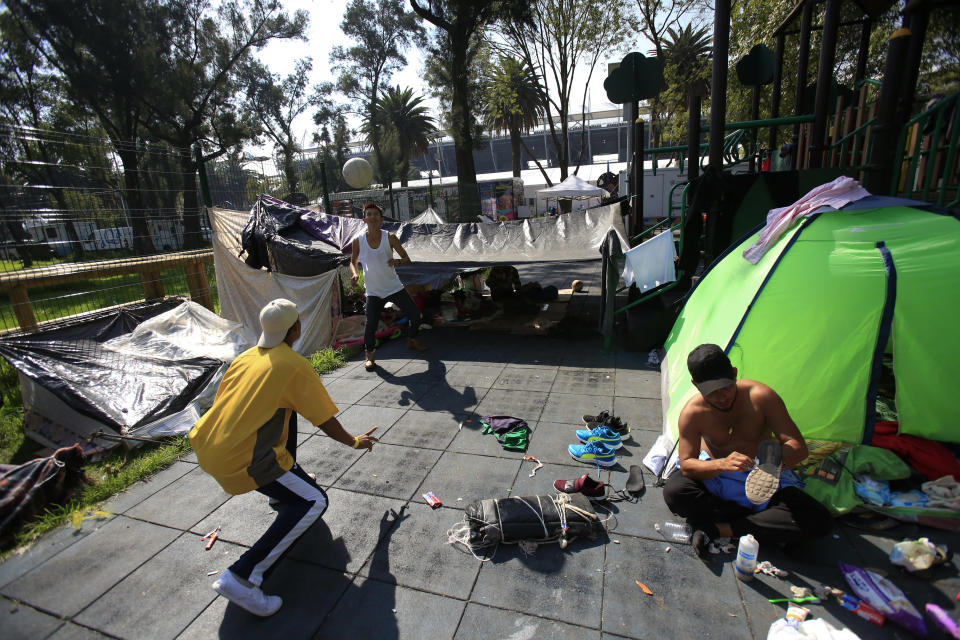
column 381, row 281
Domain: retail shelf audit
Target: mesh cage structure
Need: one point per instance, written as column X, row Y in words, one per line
column 87, row 223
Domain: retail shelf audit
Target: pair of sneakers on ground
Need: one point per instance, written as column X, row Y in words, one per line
column 604, row 434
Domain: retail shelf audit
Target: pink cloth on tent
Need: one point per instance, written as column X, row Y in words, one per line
column 836, row 194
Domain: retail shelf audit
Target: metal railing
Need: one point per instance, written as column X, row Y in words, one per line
column 926, row 155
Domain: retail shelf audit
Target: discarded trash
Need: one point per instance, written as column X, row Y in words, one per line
column 766, row 567
column 746, row 563
column 799, row 614
column 79, row 517
column 675, row 531
column 917, row 555
column 800, row 592
column 539, row 464
column 644, row 588
column 212, row 573
column 862, row 609
column 883, row 596
column 803, row 599
column 943, row 620
column 213, row 535
column 666, row 550
column 432, row 499
column 616, row 542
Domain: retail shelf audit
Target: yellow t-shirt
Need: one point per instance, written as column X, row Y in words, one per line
column 241, row 441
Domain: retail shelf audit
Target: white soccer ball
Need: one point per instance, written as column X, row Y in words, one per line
column 357, row 172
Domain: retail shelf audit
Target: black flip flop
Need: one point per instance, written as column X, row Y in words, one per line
column 635, row 482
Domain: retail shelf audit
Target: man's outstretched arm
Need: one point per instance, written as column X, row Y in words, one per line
column 783, row 427
column 335, row 430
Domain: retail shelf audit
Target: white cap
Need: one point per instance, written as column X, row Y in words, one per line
column 276, row 318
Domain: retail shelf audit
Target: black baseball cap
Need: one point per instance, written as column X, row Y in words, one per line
column 710, row 368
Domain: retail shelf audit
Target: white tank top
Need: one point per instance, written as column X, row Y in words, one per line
column 379, row 278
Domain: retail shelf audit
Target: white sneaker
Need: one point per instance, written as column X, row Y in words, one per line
column 253, row 599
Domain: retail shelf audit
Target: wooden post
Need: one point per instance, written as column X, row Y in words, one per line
column 23, row 308
column 198, row 284
column 152, row 285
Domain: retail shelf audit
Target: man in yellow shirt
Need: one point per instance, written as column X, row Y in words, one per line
column 247, row 442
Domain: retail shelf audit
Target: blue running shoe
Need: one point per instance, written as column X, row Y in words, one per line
column 593, row 453
column 606, row 435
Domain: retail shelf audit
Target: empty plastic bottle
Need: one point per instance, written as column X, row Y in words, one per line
column 675, row 531
column 746, row 563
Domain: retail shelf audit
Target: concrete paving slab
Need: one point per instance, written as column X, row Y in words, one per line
column 328, row 458
column 474, row 374
column 361, row 418
column 394, row 395
column 637, row 384
column 348, row 390
column 421, row 371
column 586, row 381
column 182, row 503
column 585, row 354
column 42, row 550
column 549, row 445
column 526, row 379
column 569, row 408
column 425, row 430
column 308, row 591
column 392, row 471
column 140, row 491
column 469, row 477
column 242, row 519
column 372, row 609
column 385, row 364
column 535, row 354
column 565, row 585
column 454, row 400
column 190, row 456
column 98, row 561
column 639, row 413
column 674, row 578
column 345, row 536
column 416, row 554
column 22, row 621
column 70, row 631
column 482, row 623
column 638, row 518
column 521, row 404
column 162, row 596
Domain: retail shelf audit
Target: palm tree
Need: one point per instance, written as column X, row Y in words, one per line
column 513, row 102
column 405, row 114
column 687, row 50
column 686, row 60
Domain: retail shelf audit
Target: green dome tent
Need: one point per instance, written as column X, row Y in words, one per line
column 815, row 316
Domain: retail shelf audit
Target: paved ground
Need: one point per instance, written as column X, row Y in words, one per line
column 379, row 566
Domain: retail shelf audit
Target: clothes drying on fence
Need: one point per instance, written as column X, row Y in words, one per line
column 836, row 194
column 652, row 263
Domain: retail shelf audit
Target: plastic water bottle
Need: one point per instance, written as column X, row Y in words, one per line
column 746, row 564
column 675, row 531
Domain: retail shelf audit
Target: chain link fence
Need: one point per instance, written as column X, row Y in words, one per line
column 87, row 223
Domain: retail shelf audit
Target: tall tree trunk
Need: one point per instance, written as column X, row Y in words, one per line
column 136, row 211
column 515, row 140
column 290, row 171
column 462, row 136
column 191, row 203
column 405, row 173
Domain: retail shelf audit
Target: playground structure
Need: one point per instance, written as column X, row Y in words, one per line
column 878, row 142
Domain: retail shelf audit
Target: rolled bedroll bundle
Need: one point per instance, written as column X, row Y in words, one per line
column 530, row 518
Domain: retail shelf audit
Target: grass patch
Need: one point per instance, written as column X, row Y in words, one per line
column 108, row 477
column 329, row 359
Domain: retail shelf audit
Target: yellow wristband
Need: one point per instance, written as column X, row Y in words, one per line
column 356, row 442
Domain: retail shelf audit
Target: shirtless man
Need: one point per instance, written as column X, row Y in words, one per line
column 720, row 432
